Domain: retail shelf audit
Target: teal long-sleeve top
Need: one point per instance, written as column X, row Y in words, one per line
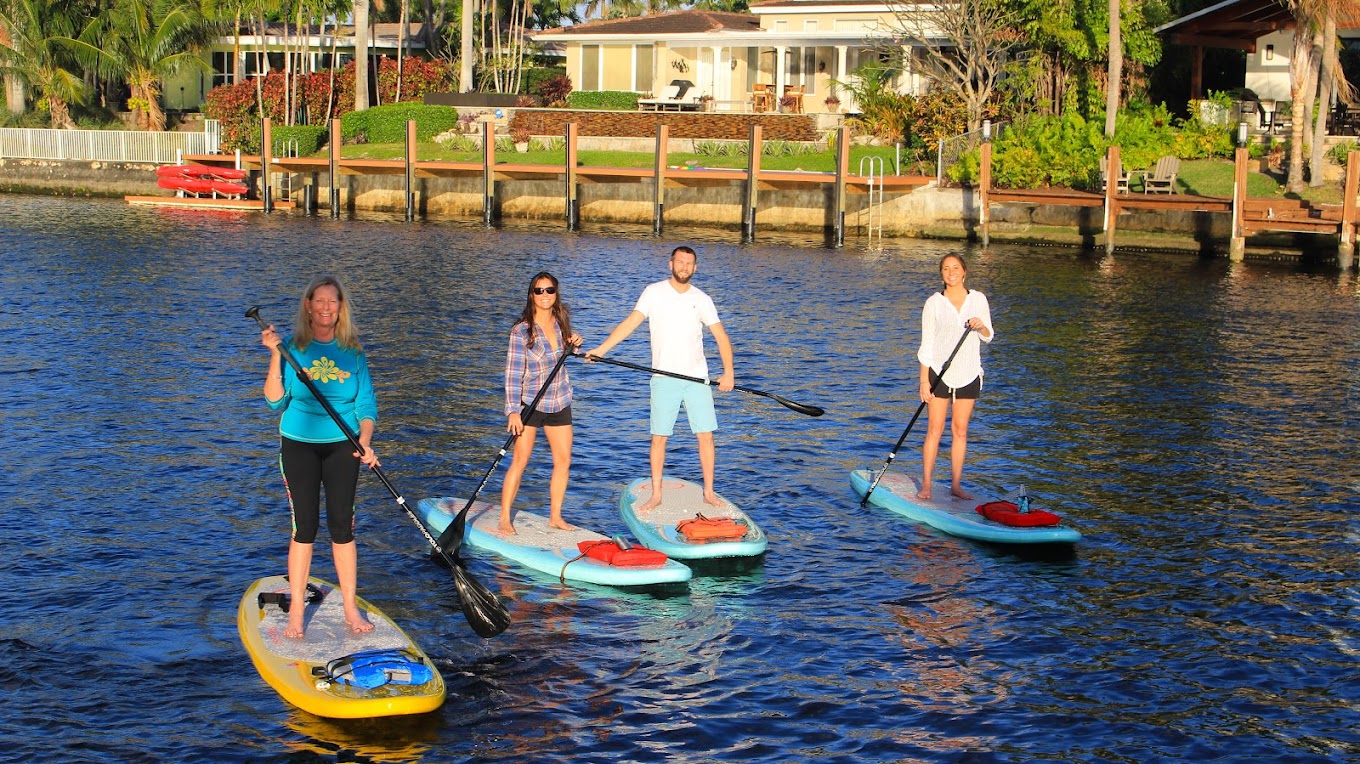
column 342, row 376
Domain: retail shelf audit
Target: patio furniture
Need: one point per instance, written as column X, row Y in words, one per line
column 1162, row 179
column 1121, row 183
column 793, row 99
column 762, row 97
column 672, row 99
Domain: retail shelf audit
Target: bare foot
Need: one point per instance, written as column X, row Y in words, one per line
column 561, row 525
column 357, row 623
column 924, row 493
column 712, row 498
column 959, row 493
column 651, row 503
column 294, row 629
column 506, row 528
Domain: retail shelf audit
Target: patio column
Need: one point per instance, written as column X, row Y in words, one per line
column 713, row 75
column 843, row 75
column 779, row 76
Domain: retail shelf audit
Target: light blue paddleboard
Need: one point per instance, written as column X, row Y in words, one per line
column 957, row 517
column 683, row 500
column 536, row 545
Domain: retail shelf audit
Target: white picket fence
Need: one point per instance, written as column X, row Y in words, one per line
column 108, row 145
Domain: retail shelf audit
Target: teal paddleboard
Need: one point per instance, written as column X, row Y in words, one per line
column 957, row 517
column 682, row 500
column 548, row 550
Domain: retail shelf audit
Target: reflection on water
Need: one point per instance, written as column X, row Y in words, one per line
column 1195, row 419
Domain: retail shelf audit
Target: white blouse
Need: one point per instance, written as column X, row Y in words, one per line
column 941, row 327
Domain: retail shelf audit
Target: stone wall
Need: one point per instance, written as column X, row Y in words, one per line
column 700, row 125
column 73, row 178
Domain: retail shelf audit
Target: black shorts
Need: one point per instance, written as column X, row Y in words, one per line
column 555, row 419
column 969, row 391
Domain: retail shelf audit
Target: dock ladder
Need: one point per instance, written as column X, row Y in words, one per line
column 871, row 214
column 291, row 148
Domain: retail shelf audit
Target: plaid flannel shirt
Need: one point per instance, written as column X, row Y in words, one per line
column 527, row 367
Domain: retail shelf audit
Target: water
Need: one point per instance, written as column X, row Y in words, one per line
column 1193, row 418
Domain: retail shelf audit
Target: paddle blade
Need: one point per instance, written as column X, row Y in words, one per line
column 484, row 611
column 452, row 537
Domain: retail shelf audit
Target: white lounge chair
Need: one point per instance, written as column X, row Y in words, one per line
column 672, row 98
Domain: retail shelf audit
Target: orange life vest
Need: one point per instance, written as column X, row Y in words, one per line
column 702, row 529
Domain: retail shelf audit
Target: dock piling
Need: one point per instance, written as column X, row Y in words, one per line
column 748, row 217
column 842, row 169
column 488, row 174
column 334, row 168
column 659, row 179
column 266, row 154
column 573, row 202
column 410, row 158
column 1346, row 248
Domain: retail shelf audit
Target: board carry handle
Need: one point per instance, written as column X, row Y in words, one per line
column 484, row 611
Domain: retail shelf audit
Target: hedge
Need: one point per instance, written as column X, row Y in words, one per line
column 387, row 124
column 621, row 100
column 310, row 139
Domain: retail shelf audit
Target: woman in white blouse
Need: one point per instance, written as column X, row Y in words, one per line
column 947, row 315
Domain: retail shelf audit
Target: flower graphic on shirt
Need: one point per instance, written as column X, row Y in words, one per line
column 324, row 370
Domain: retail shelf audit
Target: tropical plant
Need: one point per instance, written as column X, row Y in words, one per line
column 40, row 54
column 143, row 42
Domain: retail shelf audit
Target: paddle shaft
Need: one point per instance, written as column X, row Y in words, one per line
column 453, row 534
column 893, row 454
column 487, row 623
column 799, row 407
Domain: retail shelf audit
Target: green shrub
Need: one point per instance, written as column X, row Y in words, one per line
column 310, row 139
column 1337, row 154
column 534, row 79
column 615, row 100
column 387, row 124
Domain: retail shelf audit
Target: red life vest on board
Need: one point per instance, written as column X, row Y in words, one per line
column 1008, row 513
column 610, row 553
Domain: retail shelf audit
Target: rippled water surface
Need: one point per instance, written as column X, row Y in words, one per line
column 1195, row 419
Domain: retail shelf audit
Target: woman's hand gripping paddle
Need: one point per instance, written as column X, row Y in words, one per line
column 864, row 502
column 484, row 611
column 785, row 402
column 452, row 537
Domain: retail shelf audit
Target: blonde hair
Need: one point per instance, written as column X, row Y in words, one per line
column 345, row 333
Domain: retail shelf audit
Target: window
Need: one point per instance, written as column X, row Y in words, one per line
column 224, row 68
column 809, row 25
column 642, row 57
column 590, row 67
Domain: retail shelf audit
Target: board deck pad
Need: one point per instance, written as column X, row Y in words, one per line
column 327, row 636
column 897, row 491
column 536, row 545
column 682, row 500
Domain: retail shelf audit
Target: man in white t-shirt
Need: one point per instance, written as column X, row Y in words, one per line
column 676, row 313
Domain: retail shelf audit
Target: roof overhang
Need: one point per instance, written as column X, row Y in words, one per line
column 1238, row 24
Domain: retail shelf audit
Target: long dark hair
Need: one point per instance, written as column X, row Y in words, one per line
column 561, row 313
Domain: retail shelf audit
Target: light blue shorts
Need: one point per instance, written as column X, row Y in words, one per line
column 669, row 394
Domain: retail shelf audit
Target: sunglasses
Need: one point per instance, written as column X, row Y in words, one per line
column 545, row 290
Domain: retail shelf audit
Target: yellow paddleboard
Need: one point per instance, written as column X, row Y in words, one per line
column 407, row 682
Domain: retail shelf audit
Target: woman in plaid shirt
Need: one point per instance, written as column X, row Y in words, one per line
column 536, row 343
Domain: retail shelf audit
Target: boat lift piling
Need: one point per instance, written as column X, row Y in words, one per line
column 753, row 153
column 573, row 201
column 659, row 179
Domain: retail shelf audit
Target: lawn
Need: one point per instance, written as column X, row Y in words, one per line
column 823, row 161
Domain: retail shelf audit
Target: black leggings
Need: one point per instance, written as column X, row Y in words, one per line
column 308, row 466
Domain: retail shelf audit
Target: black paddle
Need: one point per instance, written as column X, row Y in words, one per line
column 484, row 611
column 453, row 535
column 800, row 408
column 864, row 502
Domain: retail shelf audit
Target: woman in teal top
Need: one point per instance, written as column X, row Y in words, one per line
column 313, row 451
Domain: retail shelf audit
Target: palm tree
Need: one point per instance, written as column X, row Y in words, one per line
column 1116, row 70
column 1310, row 18
column 360, row 55
column 39, row 54
column 143, row 42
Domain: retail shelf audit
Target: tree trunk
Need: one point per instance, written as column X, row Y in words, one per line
column 1298, row 80
column 15, row 98
column 1327, row 79
column 465, row 48
column 1116, row 70
column 401, row 43
column 60, row 113
column 360, row 55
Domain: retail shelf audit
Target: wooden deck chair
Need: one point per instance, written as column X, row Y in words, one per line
column 1121, row 185
column 1162, row 179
